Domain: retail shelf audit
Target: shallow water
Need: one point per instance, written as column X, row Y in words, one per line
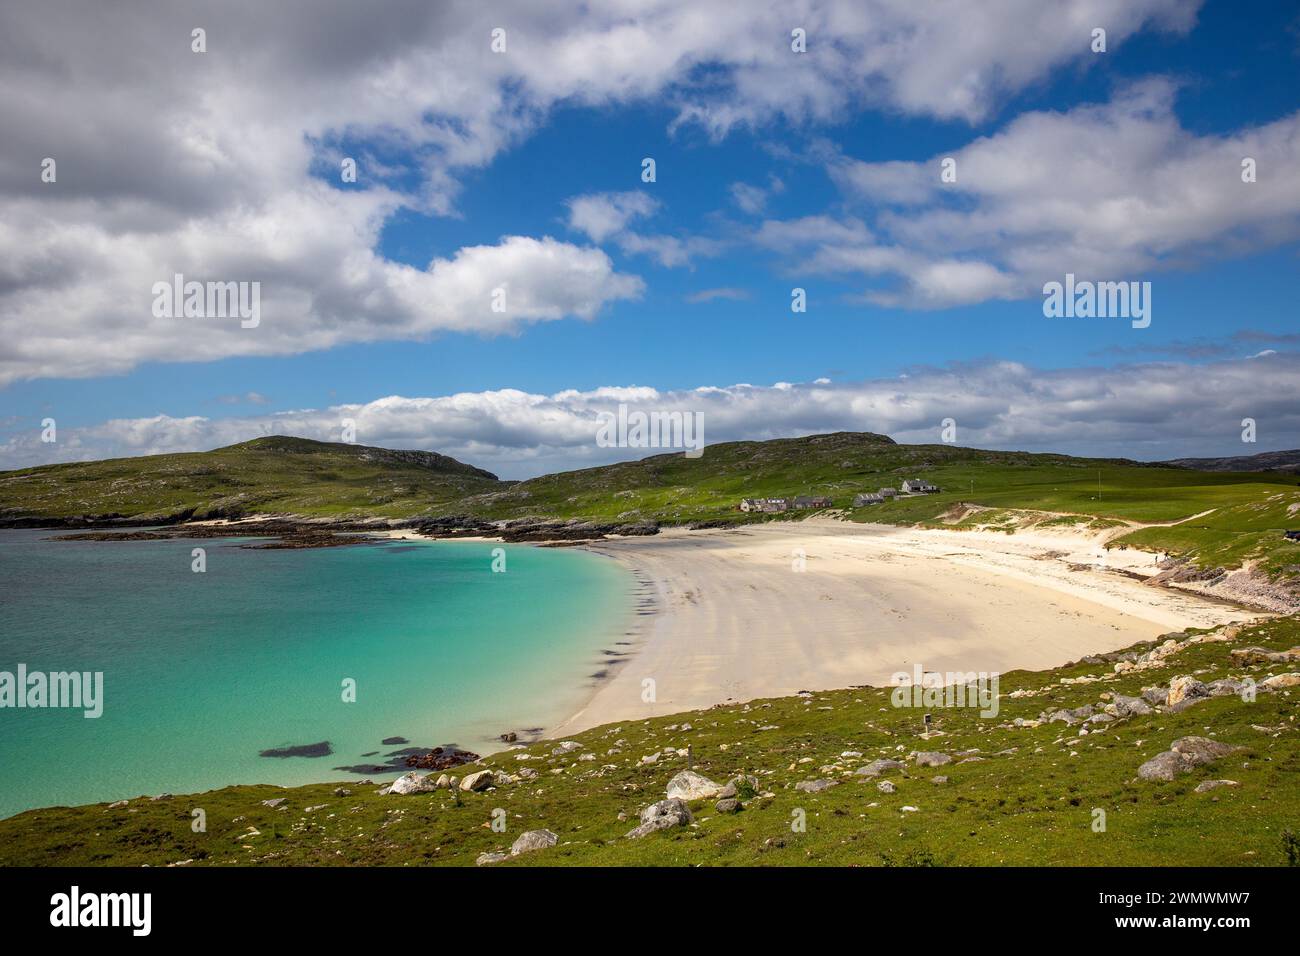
column 202, row 671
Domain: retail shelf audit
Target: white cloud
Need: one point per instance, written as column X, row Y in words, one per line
column 215, row 164
column 1112, row 191
column 1147, row 411
column 601, row 215
column 724, row 292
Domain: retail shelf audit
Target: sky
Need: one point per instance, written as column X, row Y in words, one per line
column 501, row 273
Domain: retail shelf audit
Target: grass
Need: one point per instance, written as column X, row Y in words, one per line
column 266, row 475
column 1029, row 801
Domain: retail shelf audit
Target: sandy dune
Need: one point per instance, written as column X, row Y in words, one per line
column 733, row 619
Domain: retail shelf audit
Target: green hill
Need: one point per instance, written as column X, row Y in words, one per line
column 1023, row 787
column 266, row 475
column 1214, row 519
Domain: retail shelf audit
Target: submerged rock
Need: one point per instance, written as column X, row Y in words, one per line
column 322, row 749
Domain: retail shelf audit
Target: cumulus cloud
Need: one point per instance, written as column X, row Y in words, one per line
column 1111, row 191
column 601, row 215
column 1147, row 411
column 224, row 165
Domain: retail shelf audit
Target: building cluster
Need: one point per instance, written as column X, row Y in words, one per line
column 913, row 486
column 774, row 505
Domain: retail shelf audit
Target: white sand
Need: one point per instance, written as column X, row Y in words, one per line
column 735, row 621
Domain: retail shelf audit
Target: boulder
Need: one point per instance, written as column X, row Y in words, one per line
column 931, row 759
column 478, row 781
column 1206, row 785
column 743, row 786
column 1225, row 687
column 727, row 805
column 278, row 800
column 412, row 783
column 1280, row 681
column 1183, row 688
column 661, row 816
column 1182, row 755
column 1163, row 766
column 533, row 840
column 1201, row 750
column 485, row 859
column 689, row 785
column 565, row 747
column 1155, row 696
column 1261, row 655
column 877, row 767
column 884, row 786
column 815, row 786
column 1123, row 706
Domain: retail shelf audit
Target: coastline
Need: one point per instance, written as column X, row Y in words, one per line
column 731, row 620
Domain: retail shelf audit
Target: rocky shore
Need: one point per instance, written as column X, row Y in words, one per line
column 296, row 532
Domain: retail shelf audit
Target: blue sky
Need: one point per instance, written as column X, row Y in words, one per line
column 1224, row 284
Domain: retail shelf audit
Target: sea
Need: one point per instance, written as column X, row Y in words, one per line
column 288, row 666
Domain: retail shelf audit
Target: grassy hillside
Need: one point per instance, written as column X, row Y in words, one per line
column 274, row 474
column 1017, row 789
column 1247, row 511
column 678, row 489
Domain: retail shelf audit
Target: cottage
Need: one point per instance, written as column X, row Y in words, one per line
column 915, row 486
column 767, row 505
column 888, row 492
column 870, row 498
column 803, row 502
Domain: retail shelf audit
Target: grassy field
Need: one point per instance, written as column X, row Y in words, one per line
column 1029, row 799
column 274, row 474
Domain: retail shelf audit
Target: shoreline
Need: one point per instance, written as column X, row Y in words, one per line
column 731, row 620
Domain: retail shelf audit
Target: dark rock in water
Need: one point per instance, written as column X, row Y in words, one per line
column 410, row 751
column 509, row 737
column 322, row 749
column 370, row 753
column 366, row 769
column 441, row 758
column 394, row 741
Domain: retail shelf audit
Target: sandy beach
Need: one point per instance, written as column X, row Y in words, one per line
column 726, row 615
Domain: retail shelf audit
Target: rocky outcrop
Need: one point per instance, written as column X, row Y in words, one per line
column 1183, row 755
column 412, row 783
column 663, row 815
column 533, row 840
column 877, row 767
column 689, row 785
column 926, row 758
column 478, row 781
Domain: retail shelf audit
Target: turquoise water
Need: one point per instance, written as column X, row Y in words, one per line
column 203, row 671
